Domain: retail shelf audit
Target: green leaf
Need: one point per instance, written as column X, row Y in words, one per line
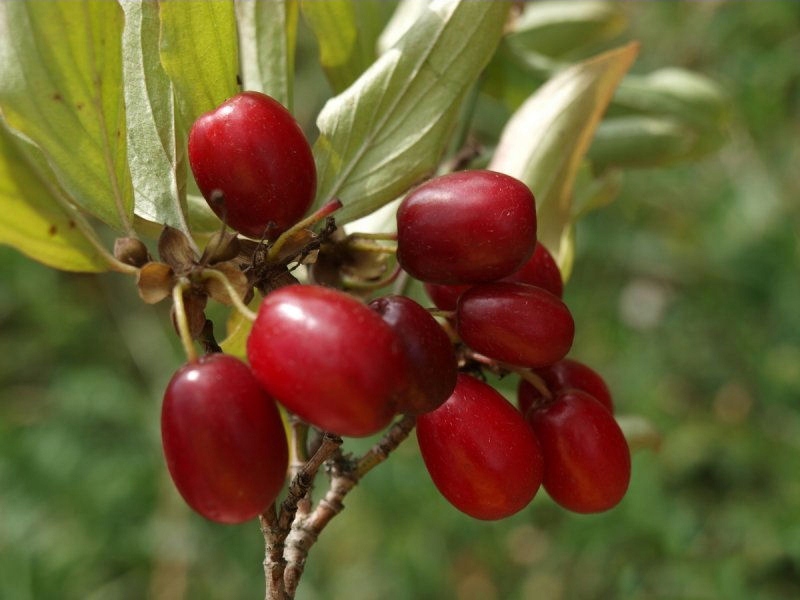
column 689, row 99
column 389, row 129
column 238, row 330
column 641, row 141
column 34, row 218
column 347, row 34
column 545, row 141
column 152, row 152
column 199, row 53
column 267, row 38
column 61, row 85
column 556, row 28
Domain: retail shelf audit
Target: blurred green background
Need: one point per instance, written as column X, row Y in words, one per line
column 685, row 295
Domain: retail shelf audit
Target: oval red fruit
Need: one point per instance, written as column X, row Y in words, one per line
column 223, row 439
column 587, row 462
column 432, row 361
column 480, row 453
column 563, row 375
column 328, row 358
column 466, row 227
column 252, row 152
column 541, row 270
column 515, row 323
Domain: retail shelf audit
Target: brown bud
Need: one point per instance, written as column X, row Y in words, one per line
column 131, row 251
column 175, row 249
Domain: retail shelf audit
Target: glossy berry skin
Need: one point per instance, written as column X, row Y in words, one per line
column 587, row 463
column 328, row 358
column 515, row 323
column 480, row 453
column 466, row 227
column 430, row 352
column 445, row 296
column 540, row 270
column 563, row 375
column 223, row 439
column 252, row 151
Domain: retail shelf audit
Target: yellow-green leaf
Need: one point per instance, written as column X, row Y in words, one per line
column 34, row 219
column 267, row 38
column 389, row 129
column 152, row 145
column 545, row 141
column 347, row 32
column 61, row 85
column 199, row 51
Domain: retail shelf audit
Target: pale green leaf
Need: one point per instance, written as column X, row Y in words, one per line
column 555, row 28
column 199, row 52
column 61, row 85
column 267, row 38
column 388, row 130
column 152, row 152
column 403, row 18
column 691, row 100
column 347, row 33
column 641, row 141
column 545, row 141
column 34, row 218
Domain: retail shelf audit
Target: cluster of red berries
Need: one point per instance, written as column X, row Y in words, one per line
column 471, row 237
column 348, row 368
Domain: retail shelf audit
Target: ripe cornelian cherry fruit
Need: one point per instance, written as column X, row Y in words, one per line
column 430, row 352
column 515, row 323
column 328, row 358
column 587, row 462
column 563, row 375
column 541, row 270
column 466, row 227
column 480, row 453
column 223, row 439
column 253, row 165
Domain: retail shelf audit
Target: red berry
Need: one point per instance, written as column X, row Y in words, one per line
column 328, row 358
column 480, row 453
column 541, row 270
column 466, row 227
column 223, row 439
column 563, row 375
column 587, row 463
column 430, row 352
column 445, row 296
column 252, row 152
column 515, row 323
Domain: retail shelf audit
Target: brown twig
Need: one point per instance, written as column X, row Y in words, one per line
column 276, row 526
column 345, row 473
